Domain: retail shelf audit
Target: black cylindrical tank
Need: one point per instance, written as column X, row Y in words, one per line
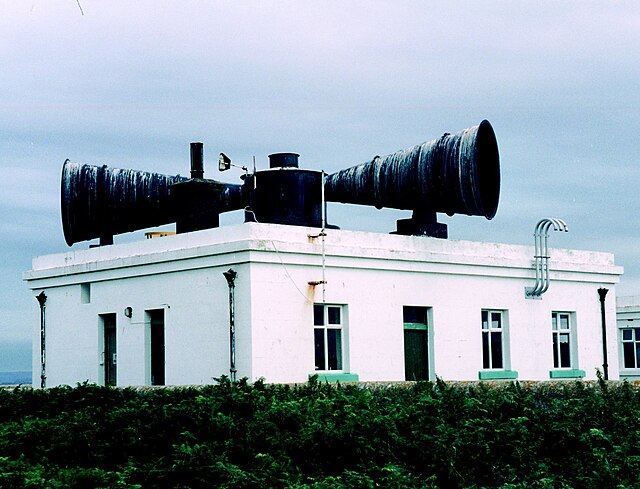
column 284, row 194
column 283, row 160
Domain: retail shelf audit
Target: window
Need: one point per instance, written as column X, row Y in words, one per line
column 562, row 336
column 495, row 347
column 565, row 349
column 630, row 347
column 416, row 343
column 328, row 337
column 492, row 340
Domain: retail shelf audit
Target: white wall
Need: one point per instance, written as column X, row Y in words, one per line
column 196, row 313
column 375, row 275
column 376, row 279
column 375, row 301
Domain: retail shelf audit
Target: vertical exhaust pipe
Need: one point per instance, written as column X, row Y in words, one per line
column 197, row 160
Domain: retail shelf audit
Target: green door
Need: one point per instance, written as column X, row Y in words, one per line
column 416, row 362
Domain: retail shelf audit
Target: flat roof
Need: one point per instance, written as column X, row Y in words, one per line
column 285, row 239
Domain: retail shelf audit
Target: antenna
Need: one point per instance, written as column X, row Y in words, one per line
column 254, row 172
column 323, row 234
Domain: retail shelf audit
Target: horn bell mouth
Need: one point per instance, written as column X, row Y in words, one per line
column 486, row 168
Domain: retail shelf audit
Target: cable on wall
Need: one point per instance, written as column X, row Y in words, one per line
column 286, row 271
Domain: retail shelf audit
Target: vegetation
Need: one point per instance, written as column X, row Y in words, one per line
column 236, row 434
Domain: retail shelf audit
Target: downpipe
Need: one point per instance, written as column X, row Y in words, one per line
column 602, row 292
column 231, row 275
column 42, row 299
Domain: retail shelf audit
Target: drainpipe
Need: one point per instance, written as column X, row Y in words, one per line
column 602, row 292
column 231, row 275
column 42, row 299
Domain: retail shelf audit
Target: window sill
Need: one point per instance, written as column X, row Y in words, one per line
column 572, row 373
column 497, row 375
column 630, row 373
column 329, row 377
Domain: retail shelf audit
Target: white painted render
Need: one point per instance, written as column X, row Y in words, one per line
column 627, row 316
column 373, row 275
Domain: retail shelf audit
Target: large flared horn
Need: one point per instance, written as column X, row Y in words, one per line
column 99, row 202
column 456, row 174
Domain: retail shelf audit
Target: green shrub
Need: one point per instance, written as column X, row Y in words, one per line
column 317, row 435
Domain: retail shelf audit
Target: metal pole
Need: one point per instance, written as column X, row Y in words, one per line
column 231, row 275
column 323, row 234
column 602, row 292
column 42, row 299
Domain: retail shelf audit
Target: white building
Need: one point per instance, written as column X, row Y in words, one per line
column 628, row 319
column 393, row 307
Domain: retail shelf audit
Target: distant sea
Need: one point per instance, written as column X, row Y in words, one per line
column 14, row 378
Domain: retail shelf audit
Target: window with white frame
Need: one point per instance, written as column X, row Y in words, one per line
column 328, row 334
column 563, row 339
column 630, row 347
column 494, row 351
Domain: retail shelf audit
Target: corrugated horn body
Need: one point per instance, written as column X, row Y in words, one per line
column 457, row 173
column 98, row 201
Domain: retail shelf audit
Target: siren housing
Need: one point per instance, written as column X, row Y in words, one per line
column 455, row 174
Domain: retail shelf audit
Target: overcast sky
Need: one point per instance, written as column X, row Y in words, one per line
column 131, row 84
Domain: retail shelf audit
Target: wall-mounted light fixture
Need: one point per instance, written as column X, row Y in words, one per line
column 128, row 312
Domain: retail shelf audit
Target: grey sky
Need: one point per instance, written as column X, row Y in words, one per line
column 131, row 84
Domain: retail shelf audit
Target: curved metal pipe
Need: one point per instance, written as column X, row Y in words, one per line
column 558, row 225
column 540, row 252
column 536, row 255
column 545, row 256
column 541, row 256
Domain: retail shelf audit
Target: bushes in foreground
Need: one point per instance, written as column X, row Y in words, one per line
column 322, row 436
